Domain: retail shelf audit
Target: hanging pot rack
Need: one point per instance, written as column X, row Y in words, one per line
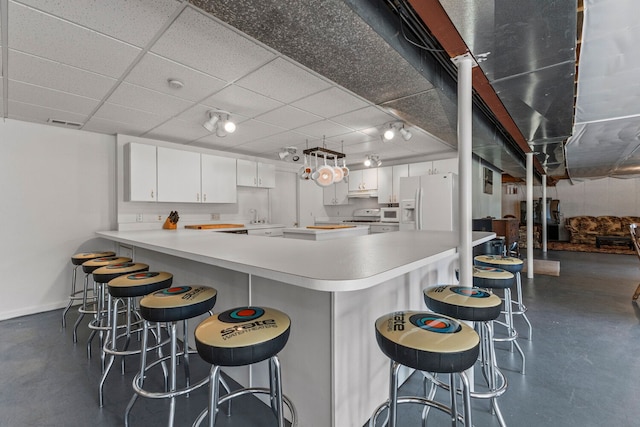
column 324, row 153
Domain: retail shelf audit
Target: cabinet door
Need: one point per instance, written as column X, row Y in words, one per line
column 178, row 175
column 329, row 195
column 399, row 171
column 385, row 184
column 355, row 180
column 419, row 169
column 246, row 173
column 445, row 166
column 342, row 190
column 266, row 175
column 370, row 179
column 218, row 175
column 140, row 167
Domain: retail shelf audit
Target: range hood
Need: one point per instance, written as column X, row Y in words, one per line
column 362, row 194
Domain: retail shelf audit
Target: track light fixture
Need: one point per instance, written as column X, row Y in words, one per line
column 372, row 160
column 219, row 122
column 289, row 151
column 390, row 129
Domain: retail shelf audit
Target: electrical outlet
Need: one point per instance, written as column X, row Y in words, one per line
column 139, row 217
column 215, row 216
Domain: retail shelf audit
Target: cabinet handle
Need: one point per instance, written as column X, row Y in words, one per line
column 204, row 197
column 152, row 196
column 260, row 181
column 255, row 181
column 198, row 197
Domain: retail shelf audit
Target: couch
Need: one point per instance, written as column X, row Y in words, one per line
column 584, row 229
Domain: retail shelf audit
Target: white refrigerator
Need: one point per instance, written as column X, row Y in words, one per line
column 429, row 202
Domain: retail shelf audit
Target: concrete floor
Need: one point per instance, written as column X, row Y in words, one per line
column 582, row 365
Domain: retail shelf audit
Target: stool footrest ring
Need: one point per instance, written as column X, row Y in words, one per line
column 413, row 399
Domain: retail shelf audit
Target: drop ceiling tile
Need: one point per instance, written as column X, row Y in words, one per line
column 135, row 22
column 67, row 43
column 205, row 44
column 350, row 138
column 118, row 113
column 238, row 100
column 324, row 128
column 177, row 131
column 331, row 102
column 274, row 143
column 284, row 81
column 148, row 100
column 153, row 72
column 364, row 118
column 39, row 114
column 44, row 72
column 48, row 98
column 109, row 127
column 288, row 117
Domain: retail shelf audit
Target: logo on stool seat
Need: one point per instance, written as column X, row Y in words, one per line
column 469, row 292
column 140, row 276
column 434, row 323
column 239, row 315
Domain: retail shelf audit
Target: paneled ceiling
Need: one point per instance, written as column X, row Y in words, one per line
column 333, row 72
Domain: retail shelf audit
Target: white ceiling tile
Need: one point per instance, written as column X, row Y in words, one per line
column 331, row 102
column 153, row 72
column 44, row 72
column 109, row 127
column 43, row 35
column 275, row 143
column 135, row 22
column 238, row 100
column 284, row 81
column 288, row 117
column 177, row 131
column 119, row 113
column 148, row 100
column 364, row 118
column 201, row 42
column 350, row 138
column 324, row 128
column 48, row 98
column 39, row 114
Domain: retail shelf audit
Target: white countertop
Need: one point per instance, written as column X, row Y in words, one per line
column 355, row 263
column 304, row 230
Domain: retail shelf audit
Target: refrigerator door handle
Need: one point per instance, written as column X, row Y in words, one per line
column 419, row 208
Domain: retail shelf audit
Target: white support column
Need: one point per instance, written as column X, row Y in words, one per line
column 544, row 213
column 530, row 215
column 465, row 90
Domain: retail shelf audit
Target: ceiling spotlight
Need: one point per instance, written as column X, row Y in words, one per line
column 388, row 134
column 372, row 159
column 219, row 122
column 367, row 161
column 406, row 135
column 289, row 151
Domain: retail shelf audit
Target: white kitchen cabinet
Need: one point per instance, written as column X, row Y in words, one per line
column 218, row 179
column 178, row 175
column 141, row 173
column 363, row 179
column 255, row 174
column 435, row 167
column 389, row 183
column 383, row 228
column 336, row 194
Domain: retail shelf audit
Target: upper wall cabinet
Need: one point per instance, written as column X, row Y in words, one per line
column 218, row 179
column 434, row 167
column 178, row 176
column 140, row 171
column 363, row 179
column 389, row 183
column 255, row 174
column 336, row 194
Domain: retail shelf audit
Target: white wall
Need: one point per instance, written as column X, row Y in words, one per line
column 58, row 189
column 484, row 204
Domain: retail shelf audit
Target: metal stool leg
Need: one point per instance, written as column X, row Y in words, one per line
column 72, row 296
column 522, row 309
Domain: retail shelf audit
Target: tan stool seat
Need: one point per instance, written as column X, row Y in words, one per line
column 93, row 264
column 139, row 284
column 511, row 264
column 463, row 302
column 177, row 303
column 109, row 272
column 81, row 257
column 492, row 277
column 242, row 336
column 427, row 341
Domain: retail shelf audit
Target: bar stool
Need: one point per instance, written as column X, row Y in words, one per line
column 88, row 267
column 126, row 287
column 170, row 305
column 512, row 265
column 76, row 261
column 239, row 337
column 479, row 306
column 103, row 320
column 427, row 342
column 497, row 278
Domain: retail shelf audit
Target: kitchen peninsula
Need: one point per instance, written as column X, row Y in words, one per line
column 332, row 367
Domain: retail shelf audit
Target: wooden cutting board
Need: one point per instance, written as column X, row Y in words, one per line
column 330, row 227
column 209, row 226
